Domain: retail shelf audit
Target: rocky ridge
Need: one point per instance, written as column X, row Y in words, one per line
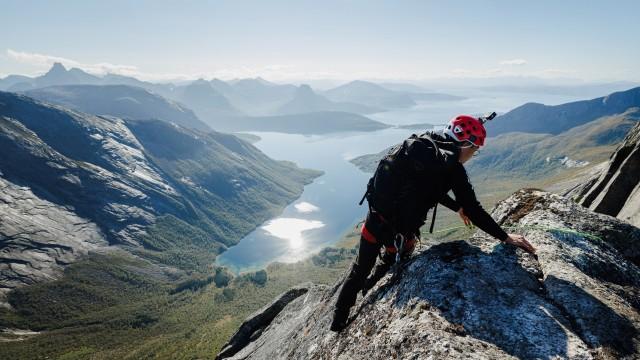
column 577, row 299
column 615, row 190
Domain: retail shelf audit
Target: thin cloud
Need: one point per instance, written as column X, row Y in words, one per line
column 464, row 73
column 42, row 60
column 277, row 72
column 550, row 73
column 513, row 62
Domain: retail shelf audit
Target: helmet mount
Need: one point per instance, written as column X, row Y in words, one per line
column 468, row 129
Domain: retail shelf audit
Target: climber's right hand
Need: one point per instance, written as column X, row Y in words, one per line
column 521, row 242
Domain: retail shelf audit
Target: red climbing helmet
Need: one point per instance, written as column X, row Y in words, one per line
column 466, row 128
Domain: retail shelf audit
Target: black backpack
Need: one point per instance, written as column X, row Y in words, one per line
column 408, row 181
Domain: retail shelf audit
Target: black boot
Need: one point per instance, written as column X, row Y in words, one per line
column 379, row 272
column 339, row 320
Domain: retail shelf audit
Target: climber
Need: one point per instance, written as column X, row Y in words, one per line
column 410, row 180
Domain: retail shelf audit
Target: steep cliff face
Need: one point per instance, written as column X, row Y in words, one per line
column 481, row 299
column 616, row 190
column 93, row 165
column 38, row 238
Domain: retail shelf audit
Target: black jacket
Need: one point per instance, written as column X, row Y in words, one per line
column 419, row 174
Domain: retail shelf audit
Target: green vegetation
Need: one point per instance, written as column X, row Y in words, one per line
column 538, row 156
column 118, row 306
column 174, row 242
column 164, row 298
column 331, row 256
column 229, row 187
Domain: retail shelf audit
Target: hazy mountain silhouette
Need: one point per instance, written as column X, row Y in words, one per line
column 319, row 122
column 367, row 93
column 221, row 86
column 12, row 80
column 57, row 75
column 306, row 100
column 119, row 100
column 418, row 93
column 539, row 118
column 211, row 106
column 258, row 96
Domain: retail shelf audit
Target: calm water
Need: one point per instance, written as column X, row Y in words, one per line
column 328, row 208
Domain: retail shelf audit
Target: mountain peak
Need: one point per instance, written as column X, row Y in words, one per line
column 363, row 84
column 263, row 81
column 57, row 68
column 305, row 89
column 200, row 82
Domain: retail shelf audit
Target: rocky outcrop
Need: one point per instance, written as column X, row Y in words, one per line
column 616, row 190
column 37, row 238
column 257, row 322
column 478, row 299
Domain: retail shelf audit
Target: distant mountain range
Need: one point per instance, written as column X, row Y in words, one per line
column 369, row 94
column 306, row 100
column 135, row 103
column 59, row 75
column 155, row 188
column 536, row 154
column 209, row 104
column 121, row 101
column 576, row 135
column 319, row 122
column 539, row 118
column 385, row 96
column 217, row 101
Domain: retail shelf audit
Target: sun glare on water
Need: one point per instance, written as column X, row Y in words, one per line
column 305, row 207
column 291, row 229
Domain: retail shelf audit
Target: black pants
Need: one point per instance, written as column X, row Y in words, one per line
column 358, row 277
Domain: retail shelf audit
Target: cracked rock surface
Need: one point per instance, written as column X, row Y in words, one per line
column 615, row 190
column 480, row 299
column 37, row 238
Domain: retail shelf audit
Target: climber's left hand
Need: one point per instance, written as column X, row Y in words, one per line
column 464, row 217
column 521, row 242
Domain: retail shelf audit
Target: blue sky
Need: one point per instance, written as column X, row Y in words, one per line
column 289, row 40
